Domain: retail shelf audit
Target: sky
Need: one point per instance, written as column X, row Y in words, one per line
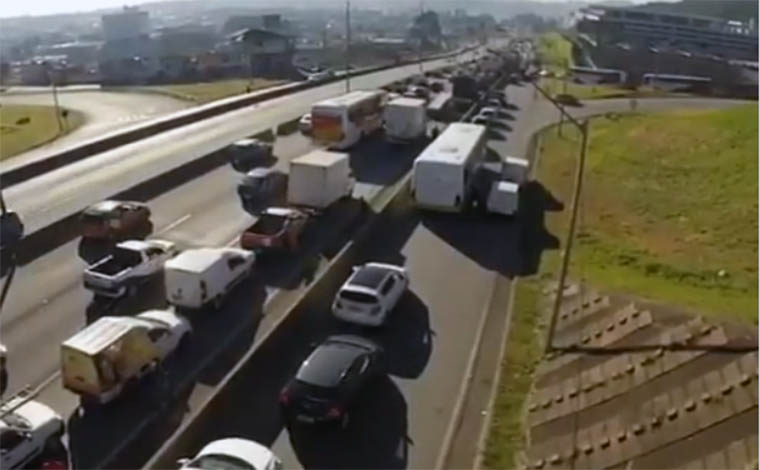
column 45, row 7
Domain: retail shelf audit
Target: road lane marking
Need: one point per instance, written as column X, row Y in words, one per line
column 174, row 224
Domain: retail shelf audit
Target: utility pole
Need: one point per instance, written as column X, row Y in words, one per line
column 419, row 50
column 348, row 45
column 54, row 90
column 583, row 127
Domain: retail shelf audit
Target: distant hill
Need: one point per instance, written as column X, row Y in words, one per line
column 741, row 10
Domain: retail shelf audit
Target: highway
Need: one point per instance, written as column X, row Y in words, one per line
column 104, row 111
column 47, row 302
column 65, row 191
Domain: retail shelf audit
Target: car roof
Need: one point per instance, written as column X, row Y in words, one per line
column 369, row 276
column 196, row 260
column 105, row 207
column 325, row 365
column 249, row 451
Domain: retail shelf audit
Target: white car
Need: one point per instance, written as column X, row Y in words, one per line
column 233, row 453
column 166, row 329
column 370, row 293
column 304, row 124
column 28, row 428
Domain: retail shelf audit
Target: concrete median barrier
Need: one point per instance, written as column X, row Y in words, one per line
column 88, row 149
column 390, row 204
column 289, row 127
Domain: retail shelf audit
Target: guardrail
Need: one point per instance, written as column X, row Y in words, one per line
column 118, row 138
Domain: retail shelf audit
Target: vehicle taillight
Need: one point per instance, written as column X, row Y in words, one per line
column 334, row 412
column 284, row 397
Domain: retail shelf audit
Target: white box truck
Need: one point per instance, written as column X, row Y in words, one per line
column 204, row 276
column 405, row 120
column 444, row 173
column 319, row 178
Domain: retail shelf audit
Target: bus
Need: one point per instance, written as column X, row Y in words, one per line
column 676, row 82
column 342, row 121
column 589, row 75
column 444, row 173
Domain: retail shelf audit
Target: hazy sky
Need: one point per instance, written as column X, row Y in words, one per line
column 43, row 7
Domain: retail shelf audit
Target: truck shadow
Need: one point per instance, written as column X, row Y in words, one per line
column 535, row 238
column 376, row 437
column 377, row 161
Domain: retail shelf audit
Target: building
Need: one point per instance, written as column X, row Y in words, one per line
column 264, row 53
column 129, row 23
column 642, row 27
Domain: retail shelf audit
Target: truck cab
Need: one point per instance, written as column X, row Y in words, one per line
column 260, row 187
column 246, row 154
column 116, row 220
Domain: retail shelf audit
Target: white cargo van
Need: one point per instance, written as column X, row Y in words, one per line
column 516, row 170
column 443, row 173
column 203, row 276
column 319, row 178
column 405, row 120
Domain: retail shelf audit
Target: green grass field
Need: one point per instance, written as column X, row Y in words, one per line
column 17, row 137
column 670, row 200
column 204, row 92
column 669, row 210
column 526, row 334
column 555, row 52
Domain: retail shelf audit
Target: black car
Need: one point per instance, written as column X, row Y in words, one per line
column 329, row 381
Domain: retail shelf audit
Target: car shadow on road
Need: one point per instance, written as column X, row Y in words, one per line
column 494, row 134
column 376, row 436
column 502, row 126
column 407, row 338
column 535, row 237
column 377, row 161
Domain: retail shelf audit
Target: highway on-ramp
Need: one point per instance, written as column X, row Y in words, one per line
column 104, row 111
column 453, row 266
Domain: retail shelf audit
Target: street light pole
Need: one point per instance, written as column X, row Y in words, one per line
column 348, row 45
column 583, row 127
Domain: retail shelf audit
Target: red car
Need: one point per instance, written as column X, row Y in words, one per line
column 277, row 228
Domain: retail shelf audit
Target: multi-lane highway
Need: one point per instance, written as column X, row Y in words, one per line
column 104, row 111
column 65, row 191
column 453, row 268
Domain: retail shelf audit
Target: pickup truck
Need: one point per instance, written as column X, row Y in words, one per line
column 116, row 221
column 276, row 228
column 130, row 264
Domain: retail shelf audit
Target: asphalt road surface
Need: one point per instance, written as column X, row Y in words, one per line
column 65, row 191
column 453, row 266
column 104, row 111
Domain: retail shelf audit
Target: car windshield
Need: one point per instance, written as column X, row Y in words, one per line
column 220, row 462
column 269, row 224
column 358, row 297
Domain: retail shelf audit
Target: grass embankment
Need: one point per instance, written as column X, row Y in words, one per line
column 557, row 86
column 204, row 92
column 555, row 52
column 524, row 348
column 670, row 200
column 669, row 210
column 24, row 127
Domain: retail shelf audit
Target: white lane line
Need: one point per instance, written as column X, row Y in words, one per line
column 174, row 224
